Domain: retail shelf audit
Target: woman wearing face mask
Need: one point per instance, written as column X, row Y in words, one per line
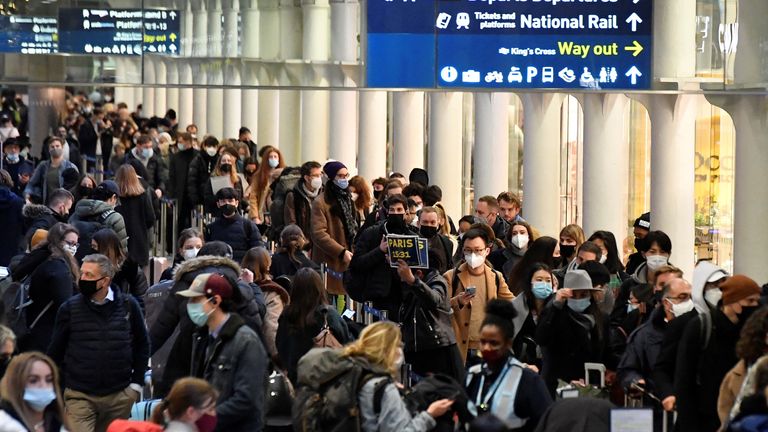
column 189, row 407
column 189, row 244
column 572, row 331
column 518, row 238
column 53, row 273
column 529, row 305
column 571, row 237
column 31, row 396
column 291, row 257
column 136, row 208
column 361, row 195
column 379, row 347
column 543, row 251
column 502, row 385
column 259, row 189
column 129, row 278
column 225, row 168
column 84, row 189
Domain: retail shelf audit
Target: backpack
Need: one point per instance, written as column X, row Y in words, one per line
column 327, row 392
column 87, row 228
column 16, row 300
column 279, row 188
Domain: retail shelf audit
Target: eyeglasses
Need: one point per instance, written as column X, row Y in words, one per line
column 473, row 251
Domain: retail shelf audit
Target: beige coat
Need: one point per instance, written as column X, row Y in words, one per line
column 462, row 315
column 328, row 242
column 729, row 389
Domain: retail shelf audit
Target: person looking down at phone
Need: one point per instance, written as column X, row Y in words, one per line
column 470, row 287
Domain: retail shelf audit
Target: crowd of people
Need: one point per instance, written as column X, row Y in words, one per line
column 493, row 332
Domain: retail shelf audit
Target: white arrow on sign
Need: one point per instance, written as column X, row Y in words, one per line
column 173, row 14
column 633, row 73
column 635, row 1
column 634, row 19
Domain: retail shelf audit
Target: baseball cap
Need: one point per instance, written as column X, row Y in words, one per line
column 208, row 284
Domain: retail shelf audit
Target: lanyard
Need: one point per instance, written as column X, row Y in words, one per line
column 484, row 404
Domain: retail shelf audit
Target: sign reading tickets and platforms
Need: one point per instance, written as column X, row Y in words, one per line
column 414, row 250
column 119, row 31
column 28, row 34
column 592, row 44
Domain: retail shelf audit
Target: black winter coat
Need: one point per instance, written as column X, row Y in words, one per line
column 425, row 314
column 157, row 170
column 504, row 260
column 139, row 218
column 199, row 175
column 233, row 232
column 178, row 177
column 100, row 348
column 130, row 279
column 666, row 362
column 643, row 347
column 700, row 370
column 174, row 314
column 12, row 223
column 283, row 265
column 236, row 366
column 37, row 217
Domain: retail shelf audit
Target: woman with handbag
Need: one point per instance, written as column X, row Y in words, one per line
column 304, row 319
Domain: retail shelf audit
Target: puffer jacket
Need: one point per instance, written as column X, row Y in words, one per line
column 236, row 366
column 174, row 314
column 89, row 211
column 426, row 314
column 37, row 217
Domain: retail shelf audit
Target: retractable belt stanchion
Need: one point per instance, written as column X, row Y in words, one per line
column 175, row 233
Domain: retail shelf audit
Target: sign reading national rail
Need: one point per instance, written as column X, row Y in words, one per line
column 588, row 44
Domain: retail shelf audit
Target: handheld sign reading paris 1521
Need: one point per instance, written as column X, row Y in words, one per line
column 588, row 44
column 411, row 249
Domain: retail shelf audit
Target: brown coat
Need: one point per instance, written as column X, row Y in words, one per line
column 729, row 390
column 328, row 242
column 461, row 315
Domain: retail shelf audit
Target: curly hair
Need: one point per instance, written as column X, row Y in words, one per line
column 751, row 344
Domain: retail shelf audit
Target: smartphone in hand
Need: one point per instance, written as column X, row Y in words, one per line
column 471, row 290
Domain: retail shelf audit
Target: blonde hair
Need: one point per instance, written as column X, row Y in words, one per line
column 378, row 343
column 128, row 184
column 14, row 383
column 574, row 232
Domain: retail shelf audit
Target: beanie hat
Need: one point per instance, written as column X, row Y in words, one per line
column 738, row 287
column 644, row 221
column 39, row 236
column 332, row 168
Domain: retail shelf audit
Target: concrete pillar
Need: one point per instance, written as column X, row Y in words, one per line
column 216, row 103
column 290, row 29
column 200, row 101
column 250, row 106
column 606, row 165
column 408, row 135
column 491, row 151
column 125, row 74
column 268, row 118
column 250, row 17
column 185, row 110
column 372, row 134
column 674, row 36
column 200, row 29
column 269, row 31
column 187, row 30
column 231, row 46
column 290, row 38
column 673, row 148
column 172, row 93
column 343, row 116
column 541, row 161
column 148, row 91
column 161, row 79
column 233, row 98
column 215, row 36
column 751, row 66
column 44, row 105
column 444, row 156
column 316, row 46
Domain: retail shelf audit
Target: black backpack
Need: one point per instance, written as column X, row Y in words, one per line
column 87, row 228
column 327, row 390
column 289, row 178
column 15, row 298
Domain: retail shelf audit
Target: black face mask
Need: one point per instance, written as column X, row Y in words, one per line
column 639, row 244
column 228, row 209
column 226, row 168
column 88, row 287
column 746, row 312
column 376, row 194
column 567, row 251
column 85, row 191
column 396, row 221
column 428, row 231
column 249, row 173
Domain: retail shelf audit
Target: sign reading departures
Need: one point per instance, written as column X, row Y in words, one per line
column 592, row 44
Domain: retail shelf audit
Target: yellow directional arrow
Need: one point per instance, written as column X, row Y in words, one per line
column 635, row 48
column 173, row 37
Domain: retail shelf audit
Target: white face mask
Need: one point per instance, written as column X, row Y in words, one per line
column 713, row 296
column 211, row 151
column 72, row 250
column 474, row 260
column 655, row 262
column 603, row 258
column 316, row 183
column 354, row 196
column 190, row 253
column 520, row 241
column 682, row 308
column 631, row 307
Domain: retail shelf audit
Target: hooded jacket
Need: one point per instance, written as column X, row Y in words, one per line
column 90, row 211
column 37, row 217
column 174, row 314
column 13, row 225
column 277, row 299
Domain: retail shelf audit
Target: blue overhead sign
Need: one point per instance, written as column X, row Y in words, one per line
column 28, row 34
column 119, row 31
column 592, row 44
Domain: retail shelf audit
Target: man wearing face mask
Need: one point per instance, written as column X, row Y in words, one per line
column 201, row 168
column 488, row 208
column 470, row 287
column 48, row 175
column 101, row 344
column 227, row 353
column 44, row 217
column 157, row 169
column 640, row 229
column 636, row 368
column 233, row 229
column 13, row 160
column 298, row 202
column 708, row 351
column 370, row 266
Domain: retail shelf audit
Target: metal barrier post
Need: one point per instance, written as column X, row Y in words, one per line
column 405, row 375
column 162, row 229
column 384, row 315
column 368, row 316
column 175, row 233
column 359, row 313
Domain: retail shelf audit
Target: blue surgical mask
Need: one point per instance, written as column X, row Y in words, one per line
column 273, row 163
column 579, row 305
column 542, row 290
column 146, row 153
column 39, row 398
column 197, row 314
column 341, row 183
column 13, row 157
